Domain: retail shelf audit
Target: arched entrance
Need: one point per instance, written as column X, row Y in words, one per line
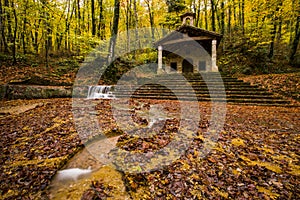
column 187, row 66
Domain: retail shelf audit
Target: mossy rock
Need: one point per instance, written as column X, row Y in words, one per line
column 35, row 92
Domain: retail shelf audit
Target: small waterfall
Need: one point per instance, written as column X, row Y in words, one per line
column 100, row 92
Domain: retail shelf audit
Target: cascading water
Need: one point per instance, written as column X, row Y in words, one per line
column 100, row 92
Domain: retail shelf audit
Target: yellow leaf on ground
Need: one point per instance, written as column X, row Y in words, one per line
column 238, row 142
column 294, row 169
column 267, row 192
column 266, row 149
column 38, row 162
column 268, row 165
column 58, row 123
column 221, row 193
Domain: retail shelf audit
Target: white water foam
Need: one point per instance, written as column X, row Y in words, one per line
column 72, row 174
column 100, row 92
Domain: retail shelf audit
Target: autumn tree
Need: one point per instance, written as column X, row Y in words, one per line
column 213, row 21
column 43, row 28
column 296, row 39
column 175, row 8
column 150, row 6
column 114, row 32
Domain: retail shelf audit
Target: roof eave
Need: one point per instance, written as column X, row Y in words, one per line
column 214, row 35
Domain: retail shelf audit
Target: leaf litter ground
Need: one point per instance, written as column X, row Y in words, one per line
column 255, row 157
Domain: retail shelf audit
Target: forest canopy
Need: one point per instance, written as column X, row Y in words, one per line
column 256, row 29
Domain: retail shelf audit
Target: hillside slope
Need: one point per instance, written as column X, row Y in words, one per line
column 287, row 85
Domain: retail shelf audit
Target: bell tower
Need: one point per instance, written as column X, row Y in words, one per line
column 188, row 19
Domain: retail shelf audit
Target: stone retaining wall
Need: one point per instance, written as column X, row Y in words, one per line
column 34, row 92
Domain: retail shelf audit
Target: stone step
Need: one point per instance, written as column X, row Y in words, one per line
column 199, row 83
column 199, row 79
column 196, row 76
column 238, row 92
column 221, row 99
column 195, row 87
column 200, row 95
column 191, row 95
column 164, row 87
column 196, row 81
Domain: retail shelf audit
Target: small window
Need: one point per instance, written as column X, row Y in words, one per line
column 174, row 66
column 188, row 21
column 202, row 65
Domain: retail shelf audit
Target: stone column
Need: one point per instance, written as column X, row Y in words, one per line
column 159, row 64
column 214, row 67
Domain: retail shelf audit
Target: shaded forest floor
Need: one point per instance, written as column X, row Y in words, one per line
column 287, row 85
column 256, row 156
column 57, row 73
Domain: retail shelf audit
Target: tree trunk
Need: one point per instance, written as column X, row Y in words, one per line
column 198, row 9
column 128, row 23
column 67, row 30
column 218, row 15
column 93, row 17
column 205, row 14
column 151, row 18
column 279, row 32
column 101, row 22
column 78, row 17
column 234, row 13
column 222, row 18
column 67, row 26
column 296, row 40
column 243, row 17
column 240, row 13
column 15, row 33
column 273, row 31
column 273, row 34
column 36, row 35
column 136, row 25
column 78, row 10
column 279, row 24
column 2, row 28
column 115, row 27
column 213, row 22
column 229, row 21
column 83, row 24
column 8, row 18
column 23, row 35
column 46, row 27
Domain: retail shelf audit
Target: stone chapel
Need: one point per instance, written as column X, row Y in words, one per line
column 188, row 49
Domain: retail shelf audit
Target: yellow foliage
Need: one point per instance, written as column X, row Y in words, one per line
column 267, row 192
column 185, row 166
column 294, row 169
column 221, row 193
column 57, row 122
column 268, row 165
column 238, row 142
column 266, row 149
column 26, row 128
column 236, row 172
column 39, row 162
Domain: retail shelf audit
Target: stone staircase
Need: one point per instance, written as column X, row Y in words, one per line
column 205, row 87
